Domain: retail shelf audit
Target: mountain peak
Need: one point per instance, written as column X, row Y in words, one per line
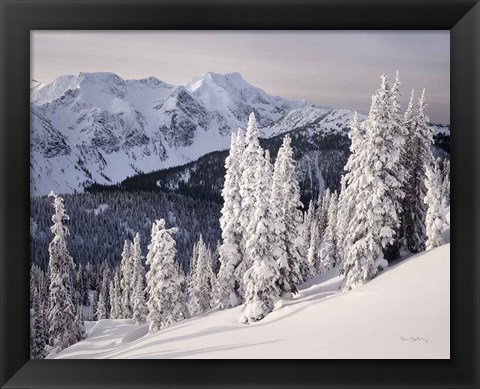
column 226, row 81
column 95, row 77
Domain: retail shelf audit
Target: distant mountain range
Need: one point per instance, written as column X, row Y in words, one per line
column 97, row 128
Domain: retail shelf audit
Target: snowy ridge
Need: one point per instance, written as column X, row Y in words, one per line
column 316, row 324
column 99, row 128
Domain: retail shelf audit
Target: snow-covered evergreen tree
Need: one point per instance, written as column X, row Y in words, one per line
column 138, row 303
column 293, row 265
column 251, row 160
column 65, row 329
column 261, row 279
column 82, row 287
column 418, row 157
column 116, row 298
column 398, row 132
column 102, row 303
column 330, row 251
column 201, row 287
column 101, row 311
column 446, row 182
column 323, row 212
column 231, row 253
column 375, row 193
column 309, row 219
column 166, row 299
column 126, row 270
column 111, row 288
column 313, row 256
column 346, row 200
column 39, row 327
column 436, row 219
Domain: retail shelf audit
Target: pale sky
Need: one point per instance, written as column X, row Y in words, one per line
column 336, row 68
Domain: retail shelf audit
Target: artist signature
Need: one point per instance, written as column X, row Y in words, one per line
column 414, row 339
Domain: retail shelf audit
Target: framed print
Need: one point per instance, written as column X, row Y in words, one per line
column 274, row 193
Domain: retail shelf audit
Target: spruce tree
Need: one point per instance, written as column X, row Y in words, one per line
column 101, row 311
column 435, row 220
column 116, row 298
column 375, row 192
column 64, row 329
column 113, row 312
column 231, row 253
column 166, row 300
column 313, row 257
column 309, row 221
column 418, row 157
column 39, row 327
column 293, row 266
column 138, row 303
column 202, row 281
column 346, row 201
column 398, row 133
column 330, row 252
column 251, row 159
column 102, row 303
column 446, row 182
column 261, row 279
column 323, row 212
column 126, row 269
column 309, row 217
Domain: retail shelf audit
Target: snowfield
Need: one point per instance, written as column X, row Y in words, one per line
column 403, row 313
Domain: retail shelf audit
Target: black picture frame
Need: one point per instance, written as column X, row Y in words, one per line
column 19, row 17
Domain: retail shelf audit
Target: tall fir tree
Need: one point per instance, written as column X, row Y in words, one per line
column 138, row 303
column 346, row 200
column 116, row 297
column 398, row 133
column 313, row 256
column 261, row 279
column 166, row 298
column 446, row 182
column 103, row 303
column 231, row 253
column 251, row 159
column 101, row 311
column 375, row 192
column 323, row 211
column 436, row 219
column 309, row 217
column 330, row 251
column 293, row 266
column 82, row 286
column 65, row 329
column 308, row 221
column 201, row 286
column 418, row 157
column 39, row 327
column 126, row 270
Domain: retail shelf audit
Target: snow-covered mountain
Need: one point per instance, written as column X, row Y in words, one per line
column 99, row 128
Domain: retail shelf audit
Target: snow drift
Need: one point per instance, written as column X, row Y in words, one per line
column 403, row 313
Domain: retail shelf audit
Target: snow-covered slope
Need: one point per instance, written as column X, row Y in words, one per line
column 403, row 313
column 106, row 128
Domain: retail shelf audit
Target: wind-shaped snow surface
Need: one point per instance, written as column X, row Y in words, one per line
column 403, row 313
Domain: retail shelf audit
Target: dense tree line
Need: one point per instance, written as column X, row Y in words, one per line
column 101, row 222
